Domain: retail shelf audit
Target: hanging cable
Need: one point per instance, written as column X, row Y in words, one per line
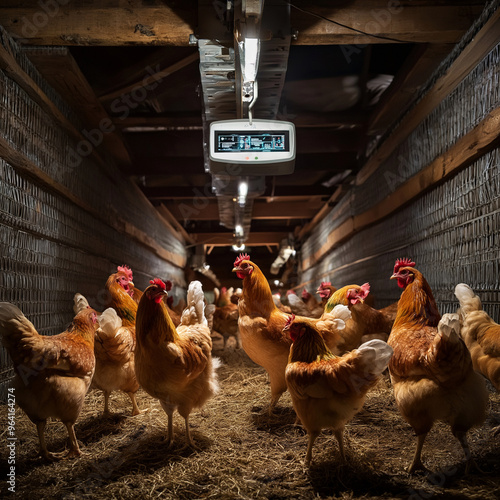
column 345, row 26
column 252, row 103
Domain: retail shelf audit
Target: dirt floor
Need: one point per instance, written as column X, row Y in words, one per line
column 244, row 454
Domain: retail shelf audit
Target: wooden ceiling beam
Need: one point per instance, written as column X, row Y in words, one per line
column 226, row 239
column 99, row 22
column 138, row 123
column 339, row 120
column 152, row 79
column 190, row 142
column 404, row 21
column 203, row 208
column 135, row 22
column 281, row 193
column 157, row 171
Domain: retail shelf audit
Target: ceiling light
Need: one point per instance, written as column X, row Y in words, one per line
column 251, row 50
column 238, row 230
column 238, row 248
column 243, row 188
column 242, row 193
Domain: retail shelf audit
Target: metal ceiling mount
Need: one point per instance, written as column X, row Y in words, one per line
column 241, row 43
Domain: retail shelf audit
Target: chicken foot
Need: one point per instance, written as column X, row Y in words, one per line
column 417, row 459
column 470, row 463
column 189, row 440
column 44, row 452
column 135, row 408
column 74, row 450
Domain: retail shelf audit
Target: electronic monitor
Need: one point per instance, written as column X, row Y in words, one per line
column 266, row 147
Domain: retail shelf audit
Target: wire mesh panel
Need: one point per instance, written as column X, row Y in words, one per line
column 52, row 246
column 452, row 232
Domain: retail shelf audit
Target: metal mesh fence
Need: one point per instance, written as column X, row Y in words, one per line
column 461, row 111
column 452, row 232
column 51, row 247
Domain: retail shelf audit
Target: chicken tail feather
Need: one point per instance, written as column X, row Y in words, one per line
column 469, row 301
column 376, row 354
column 79, row 303
column 195, row 309
column 449, row 326
column 110, row 322
column 14, row 327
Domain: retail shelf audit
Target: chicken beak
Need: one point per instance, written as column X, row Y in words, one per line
column 131, row 283
column 236, row 269
column 394, row 277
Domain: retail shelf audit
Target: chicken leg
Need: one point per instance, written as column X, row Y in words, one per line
column 470, row 463
column 188, row 433
column 417, row 459
column 44, row 452
column 135, row 408
column 74, row 450
column 339, row 434
column 312, row 437
column 106, row 403
column 169, row 410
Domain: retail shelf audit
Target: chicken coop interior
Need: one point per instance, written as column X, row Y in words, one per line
column 389, row 117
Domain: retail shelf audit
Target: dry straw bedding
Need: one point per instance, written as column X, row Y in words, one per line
column 244, row 454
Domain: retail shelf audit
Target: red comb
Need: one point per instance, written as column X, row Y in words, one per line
column 127, row 271
column 290, row 292
column 159, row 283
column 168, row 285
column 325, row 284
column 289, row 321
column 305, row 294
column 364, row 290
column 405, row 262
column 241, row 258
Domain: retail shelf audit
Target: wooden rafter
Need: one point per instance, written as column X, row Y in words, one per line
column 151, row 78
column 255, row 238
column 126, row 22
column 199, row 209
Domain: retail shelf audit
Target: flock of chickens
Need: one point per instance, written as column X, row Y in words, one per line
column 328, row 357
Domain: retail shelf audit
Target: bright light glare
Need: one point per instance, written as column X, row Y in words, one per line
column 251, row 59
column 243, row 188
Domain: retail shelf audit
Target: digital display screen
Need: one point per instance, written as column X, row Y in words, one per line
column 252, row 142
